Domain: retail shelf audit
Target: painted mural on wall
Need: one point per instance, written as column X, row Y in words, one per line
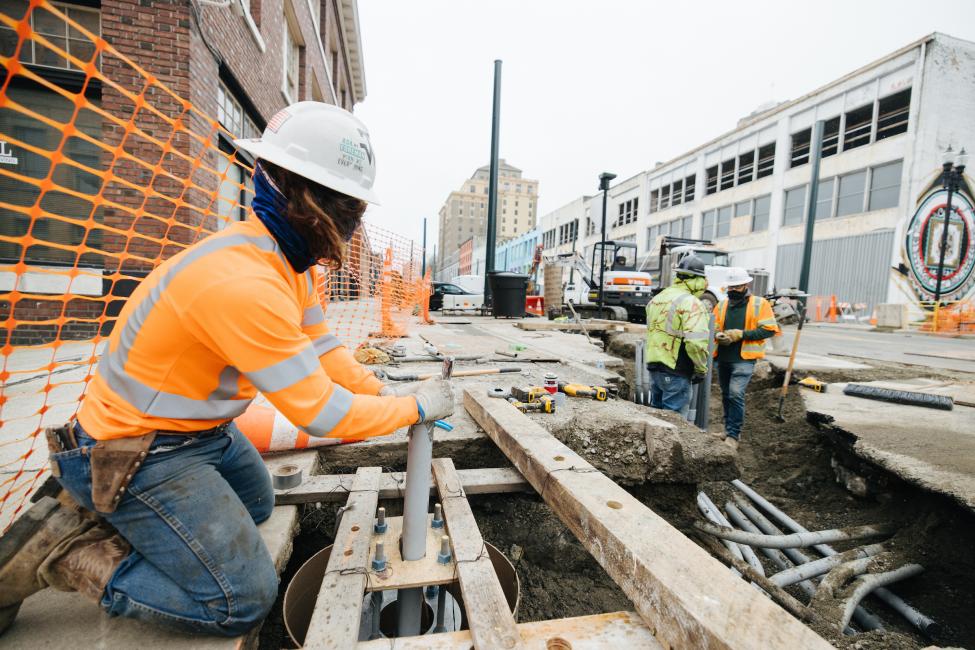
column 922, row 244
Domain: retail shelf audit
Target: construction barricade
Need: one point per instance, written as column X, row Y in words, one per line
column 101, row 190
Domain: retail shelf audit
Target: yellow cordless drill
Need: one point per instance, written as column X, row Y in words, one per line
column 597, row 393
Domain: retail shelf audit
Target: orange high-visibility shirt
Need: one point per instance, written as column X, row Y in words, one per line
column 758, row 313
column 214, row 324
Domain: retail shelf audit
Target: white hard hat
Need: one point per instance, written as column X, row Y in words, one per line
column 320, row 142
column 737, row 276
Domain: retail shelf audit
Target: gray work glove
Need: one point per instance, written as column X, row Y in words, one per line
column 400, row 390
column 720, row 338
column 434, row 400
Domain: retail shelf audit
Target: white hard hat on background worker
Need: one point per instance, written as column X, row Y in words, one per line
column 321, row 142
column 737, row 276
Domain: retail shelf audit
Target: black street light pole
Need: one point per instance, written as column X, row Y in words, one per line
column 951, row 181
column 423, row 264
column 492, row 216
column 604, row 180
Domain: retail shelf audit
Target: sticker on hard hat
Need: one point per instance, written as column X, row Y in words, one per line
column 352, row 154
column 278, row 120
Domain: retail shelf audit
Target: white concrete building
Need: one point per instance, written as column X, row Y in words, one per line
column 877, row 214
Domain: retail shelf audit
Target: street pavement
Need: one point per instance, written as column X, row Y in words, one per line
column 914, row 348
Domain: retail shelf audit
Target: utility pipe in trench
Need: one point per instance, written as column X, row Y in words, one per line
column 924, row 623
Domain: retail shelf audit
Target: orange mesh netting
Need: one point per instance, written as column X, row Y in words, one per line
column 96, row 190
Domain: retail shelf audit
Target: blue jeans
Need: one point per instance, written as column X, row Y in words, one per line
column 670, row 391
column 733, row 377
column 198, row 563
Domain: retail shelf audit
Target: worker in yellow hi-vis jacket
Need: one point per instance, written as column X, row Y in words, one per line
column 154, row 452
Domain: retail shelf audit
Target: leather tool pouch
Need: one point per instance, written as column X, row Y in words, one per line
column 59, row 439
column 113, row 464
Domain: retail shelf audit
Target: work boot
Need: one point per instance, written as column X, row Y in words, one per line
column 719, row 435
column 732, row 442
column 59, row 546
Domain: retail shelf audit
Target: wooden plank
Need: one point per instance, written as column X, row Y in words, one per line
column 491, row 623
column 686, row 597
column 335, row 619
column 615, row 630
column 403, row 574
column 335, row 487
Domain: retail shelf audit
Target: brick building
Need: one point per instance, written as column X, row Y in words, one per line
column 239, row 64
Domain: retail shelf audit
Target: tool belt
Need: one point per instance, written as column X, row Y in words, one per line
column 113, row 462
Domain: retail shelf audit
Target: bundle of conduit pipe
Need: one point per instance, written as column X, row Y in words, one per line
column 747, row 526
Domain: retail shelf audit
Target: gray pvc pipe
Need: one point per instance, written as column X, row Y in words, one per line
column 823, row 565
column 868, row 583
column 795, row 539
column 738, row 519
column 864, row 619
column 416, row 502
column 709, row 510
column 924, row 623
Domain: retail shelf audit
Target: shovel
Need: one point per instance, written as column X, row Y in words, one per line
column 788, row 370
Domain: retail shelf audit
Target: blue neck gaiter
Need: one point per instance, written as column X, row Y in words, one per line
column 269, row 205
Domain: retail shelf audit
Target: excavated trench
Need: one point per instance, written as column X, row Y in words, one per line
column 791, row 463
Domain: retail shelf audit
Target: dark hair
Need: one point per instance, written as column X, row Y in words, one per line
column 325, row 218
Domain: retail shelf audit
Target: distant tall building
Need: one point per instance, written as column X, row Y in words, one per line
column 464, row 214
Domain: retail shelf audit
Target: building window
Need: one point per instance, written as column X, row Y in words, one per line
column 893, row 113
column 746, row 167
column 654, row 198
column 707, row 224
column 665, row 197
column 728, row 174
column 850, row 193
column 743, row 209
column 231, row 114
column 766, row 160
column 711, row 184
column 619, row 218
column 56, row 30
column 677, row 193
column 65, row 208
column 800, row 148
column 824, row 198
column 831, row 138
column 473, row 189
column 763, row 206
column 689, row 190
column 724, row 221
column 292, row 66
column 858, row 123
column 885, row 186
column 795, row 202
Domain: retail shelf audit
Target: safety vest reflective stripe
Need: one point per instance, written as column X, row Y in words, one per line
column 669, row 322
column 227, row 386
column 286, row 372
column 313, row 316
column 336, row 408
column 155, row 402
column 325, row 344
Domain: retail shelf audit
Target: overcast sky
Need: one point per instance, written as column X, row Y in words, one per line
column 592, row 86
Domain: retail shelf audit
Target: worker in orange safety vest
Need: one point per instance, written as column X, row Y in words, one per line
column 742, row 323
column 177, row 488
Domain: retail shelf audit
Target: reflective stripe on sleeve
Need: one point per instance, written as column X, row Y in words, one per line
column 286, row 372
column 336, row 408
column 152, row 401
column 325, row 344
column 695, row 336
column 313, row 316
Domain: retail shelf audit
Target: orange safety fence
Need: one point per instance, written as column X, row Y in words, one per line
column 96, row 190
column 956, row 317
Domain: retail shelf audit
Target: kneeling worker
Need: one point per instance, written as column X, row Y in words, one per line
column 676, row 349
column 742, row 322
column 177, row 489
